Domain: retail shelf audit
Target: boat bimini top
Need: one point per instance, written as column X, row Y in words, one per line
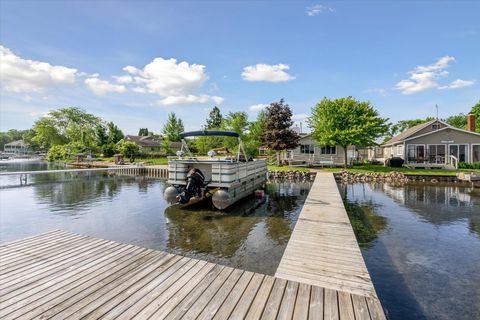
column 211, row 153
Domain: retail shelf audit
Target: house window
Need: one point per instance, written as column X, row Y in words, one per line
column 400, row 150
column 328, row 150
column 435, row 126
column 307, row 148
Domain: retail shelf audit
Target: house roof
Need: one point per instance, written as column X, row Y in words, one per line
column 20, row 143
column 443, row 129
column 143, row 141
column 407, row 133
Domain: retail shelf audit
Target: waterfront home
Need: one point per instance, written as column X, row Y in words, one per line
column 146, row 143
column 435, row 144
column 310, row 152
column 16, row 147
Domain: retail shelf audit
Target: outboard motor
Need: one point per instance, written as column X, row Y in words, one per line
column 195, row 182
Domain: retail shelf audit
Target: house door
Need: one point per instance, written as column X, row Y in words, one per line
column 476, row 153
column 459, row 151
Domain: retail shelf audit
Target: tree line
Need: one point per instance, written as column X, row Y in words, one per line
column 344, row 121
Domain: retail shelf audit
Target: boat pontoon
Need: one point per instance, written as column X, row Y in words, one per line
column 225, row 178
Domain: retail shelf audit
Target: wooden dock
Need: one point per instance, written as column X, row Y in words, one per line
column 60, row 275
column 322, row 249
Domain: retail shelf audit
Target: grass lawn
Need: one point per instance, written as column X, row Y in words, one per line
column 377, row 168
column 147, row 161
column 287, row 168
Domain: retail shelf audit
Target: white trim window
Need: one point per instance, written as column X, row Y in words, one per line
column 328, row 150
column 400, row 150
column 307, row 148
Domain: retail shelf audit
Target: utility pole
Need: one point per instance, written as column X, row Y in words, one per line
column 436, row 106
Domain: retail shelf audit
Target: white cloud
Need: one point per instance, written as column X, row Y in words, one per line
column 190, row 99
column 317, row 9
column 21, row 75
column 424, row 78
column 257, row 107
column 300, row 117
column 459, row 83
column 266, row 72
column 166, row 77
column 123, row 79
column 176, row 82
column 101, row 87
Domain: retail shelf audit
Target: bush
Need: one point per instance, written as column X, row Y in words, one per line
column 128, row 149
column 466, row 165
column 56, row 153
column 109, row 149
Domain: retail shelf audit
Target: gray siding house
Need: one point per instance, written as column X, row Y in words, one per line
column 310, row 152
column 435, row 144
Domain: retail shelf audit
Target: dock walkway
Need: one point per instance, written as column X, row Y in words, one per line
column 322, row 249
column 61, row 275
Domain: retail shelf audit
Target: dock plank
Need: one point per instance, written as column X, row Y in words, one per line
column 104, row 279
column 322, row 249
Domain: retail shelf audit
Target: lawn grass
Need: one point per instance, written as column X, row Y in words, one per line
column 287, row 168
column 381, row 168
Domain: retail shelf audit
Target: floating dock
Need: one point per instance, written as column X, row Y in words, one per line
column 61, row 275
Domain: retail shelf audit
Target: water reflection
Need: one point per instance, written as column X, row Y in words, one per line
column 223, row 234
column 425, row 262
column 127, row 209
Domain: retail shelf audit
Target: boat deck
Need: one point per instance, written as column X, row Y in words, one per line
column 61, row 275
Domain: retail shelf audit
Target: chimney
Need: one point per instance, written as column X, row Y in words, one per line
column 471, row 122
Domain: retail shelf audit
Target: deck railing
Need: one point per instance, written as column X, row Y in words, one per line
column 453, row 161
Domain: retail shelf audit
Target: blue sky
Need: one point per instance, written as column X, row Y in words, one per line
column 133, row 62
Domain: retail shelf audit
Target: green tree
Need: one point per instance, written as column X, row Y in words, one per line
column 57, row 152
column 66, row 125
column 253, row 139
column 346, row 122
column 114, row 133
column 277, row 134
column 143, row 132
column 101, row 135
column 173, row 128
column 457, row 120
column 129, row 149
column 215, row 119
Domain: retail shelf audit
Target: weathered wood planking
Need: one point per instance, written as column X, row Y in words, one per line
column 322, row 249
column 77, row 277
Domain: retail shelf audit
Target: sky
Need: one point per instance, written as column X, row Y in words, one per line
column 133, row 62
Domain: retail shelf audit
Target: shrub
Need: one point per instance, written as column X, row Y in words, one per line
column 466, row 165
column 128, row 149
column 57, row 152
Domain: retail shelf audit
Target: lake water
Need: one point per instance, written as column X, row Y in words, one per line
column 421, row 244
column 251, row 235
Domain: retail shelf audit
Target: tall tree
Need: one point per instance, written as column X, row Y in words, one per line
column 114, row 133
column 172, row 128
column 66, row 126
column 277, row 134
column 215, row 118
column 457, row 120
column 253, row 139
column 143, row 132
column 346, row 122
column 101, row 135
